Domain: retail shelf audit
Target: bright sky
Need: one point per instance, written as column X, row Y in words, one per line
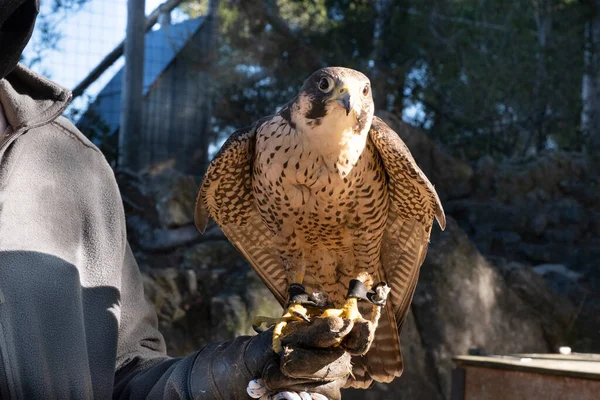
column 88, row 35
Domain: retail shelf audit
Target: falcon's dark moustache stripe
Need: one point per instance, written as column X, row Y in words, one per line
column 362, row 120
column 286, row 114
column 317, row 109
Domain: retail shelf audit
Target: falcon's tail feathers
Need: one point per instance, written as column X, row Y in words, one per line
column 383, row 362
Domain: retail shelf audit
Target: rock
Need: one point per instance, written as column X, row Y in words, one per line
column 566, row 211
column 568, row 234
column 259, row 298
column 539, row 223
column 559, row 269
column 552, row 308
column 159, row 208
column 160, row 239
column 232, row 317
column 138, row 199
column 488, row 215
column 418, row 379
column 509, row 238
column 213, row 295
column 484, row 176
column 545, row 253
column 175, row 195
column 586, row 321
column 461, row 302
column 212, row 254
column 534, row 211
column 594, row 226
column 161, row 288
column 537, row 196
column 545, row 173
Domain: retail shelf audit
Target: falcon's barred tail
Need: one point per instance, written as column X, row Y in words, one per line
column 403, row 251
column 383, row 362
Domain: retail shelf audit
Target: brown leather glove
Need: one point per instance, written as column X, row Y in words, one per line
column 312, row 364
column 356, row 337
column 316, row 356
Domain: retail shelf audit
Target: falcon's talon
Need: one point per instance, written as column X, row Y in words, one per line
column 303, row 317
column 294, row 312
column 379, row 293
column 261, row 324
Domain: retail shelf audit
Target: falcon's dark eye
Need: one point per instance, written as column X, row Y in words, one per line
column 326, row 84
column 365, row 91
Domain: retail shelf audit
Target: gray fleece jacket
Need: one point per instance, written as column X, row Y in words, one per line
column 73, row 319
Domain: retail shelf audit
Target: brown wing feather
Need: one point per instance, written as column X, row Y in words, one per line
column 226, row 196
column 411, row 193
column 413, row 205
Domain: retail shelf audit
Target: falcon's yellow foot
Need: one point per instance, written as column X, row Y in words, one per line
column 261, row 323
column 294, row 312
column 358, row 291
column 348, row 311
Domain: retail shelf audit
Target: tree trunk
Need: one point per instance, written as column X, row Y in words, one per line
column 377, row 63
column 130, row 131
column 196, row 159
column 590, row 87
column 543, row 22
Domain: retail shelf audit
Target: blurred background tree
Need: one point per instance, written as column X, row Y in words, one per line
column 501, row 78
column 482, row 77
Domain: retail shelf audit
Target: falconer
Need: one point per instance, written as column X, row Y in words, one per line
column 73, row 319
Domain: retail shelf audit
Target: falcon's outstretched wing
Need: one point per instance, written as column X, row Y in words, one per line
column 414, row 204
column 226, row 196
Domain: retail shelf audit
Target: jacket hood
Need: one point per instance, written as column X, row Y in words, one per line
column 17, row 18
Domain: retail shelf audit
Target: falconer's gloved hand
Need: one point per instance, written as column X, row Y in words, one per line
column 313, row 364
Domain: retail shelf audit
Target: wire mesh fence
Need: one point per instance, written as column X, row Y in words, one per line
column 79, row 45
column 511, row 88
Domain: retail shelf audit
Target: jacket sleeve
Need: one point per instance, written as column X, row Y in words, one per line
column 219, row 371
column 65, row 261
column 143, row 370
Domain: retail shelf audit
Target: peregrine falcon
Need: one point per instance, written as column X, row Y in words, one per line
column 323, row 194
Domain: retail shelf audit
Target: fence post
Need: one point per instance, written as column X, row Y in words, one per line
column 130, row 132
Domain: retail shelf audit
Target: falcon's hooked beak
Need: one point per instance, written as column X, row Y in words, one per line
column 343, row 99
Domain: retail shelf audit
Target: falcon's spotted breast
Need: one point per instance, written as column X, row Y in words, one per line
column 323, row 193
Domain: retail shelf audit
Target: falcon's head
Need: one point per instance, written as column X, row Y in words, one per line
column 334, row 99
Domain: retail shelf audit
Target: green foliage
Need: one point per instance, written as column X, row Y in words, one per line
column 483, row 77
